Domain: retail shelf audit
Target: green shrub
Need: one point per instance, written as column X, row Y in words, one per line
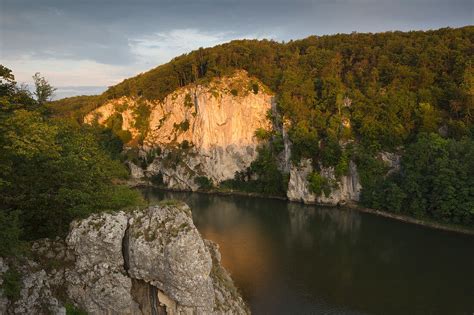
column 262, row 134
column 182, row 126
column 263, row 176
column 11, row 285
column 204, row 182
column 72, row 310
column 185, row 145
column 255, row 88
column 142, row 115
column 10, row 232
column 188, row 101
column 115, row 123
column 319, row 184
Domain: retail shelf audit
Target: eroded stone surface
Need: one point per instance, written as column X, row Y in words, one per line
column 98, row 281
column 167, row 251
column 347, row 188
column 142, row 262
column 215, row 123
column 36, row 293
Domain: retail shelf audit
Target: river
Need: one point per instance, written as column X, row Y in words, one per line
column 289, row 258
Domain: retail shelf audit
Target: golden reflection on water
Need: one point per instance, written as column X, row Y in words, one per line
column 245, row 251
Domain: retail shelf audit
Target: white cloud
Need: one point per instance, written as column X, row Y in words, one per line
column 68, row 72
column 161, row 47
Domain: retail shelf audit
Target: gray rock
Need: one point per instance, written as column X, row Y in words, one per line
column 347, row 188
column 149, row 259
column 167, row 251
column 136, row 172
column 298, row 186
column 392, row 160
column 36, row 294
column 98, row 282
column 3, row 299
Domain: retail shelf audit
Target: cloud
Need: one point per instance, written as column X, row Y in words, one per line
column 161, row 47
column 68, row 72
column 67, row 91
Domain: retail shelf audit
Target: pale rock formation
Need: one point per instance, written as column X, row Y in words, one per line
column 149, row 261
column 98, row 281
column 36, row 293
column 3, row 299
column 298, row 186
column 166, row 250
column 124, row 106
column 347, row 188
column 136, row 171
column 216, row 126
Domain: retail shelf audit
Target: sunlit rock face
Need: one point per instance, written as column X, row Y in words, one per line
column 347, row 187
column 202, row 130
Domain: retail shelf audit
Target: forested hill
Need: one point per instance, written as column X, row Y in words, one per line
column 399, row 83
column 348, row 97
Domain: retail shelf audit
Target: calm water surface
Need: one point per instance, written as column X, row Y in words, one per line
column 289, row 258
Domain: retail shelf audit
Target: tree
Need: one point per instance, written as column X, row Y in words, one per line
column 51, row 170
column 43, row 90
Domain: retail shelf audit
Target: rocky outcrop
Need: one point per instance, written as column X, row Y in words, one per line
column 166, row 251
column 346, row 188
column 3, row 299
column 98, row 281
column 149, row 261
column 36, row 289
column 298, row 186
column 202, row 130
column 392, row 160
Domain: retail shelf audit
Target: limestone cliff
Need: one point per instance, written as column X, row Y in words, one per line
column 200, row 130
column 149, row 261
column 346, row 188
column 208, row 130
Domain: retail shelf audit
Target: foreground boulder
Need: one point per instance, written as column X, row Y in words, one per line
column 150, row 261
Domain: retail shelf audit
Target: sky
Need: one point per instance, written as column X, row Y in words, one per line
column 83, row 46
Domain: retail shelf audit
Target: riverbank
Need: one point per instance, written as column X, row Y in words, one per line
column 423, row 222
column 351, row 205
